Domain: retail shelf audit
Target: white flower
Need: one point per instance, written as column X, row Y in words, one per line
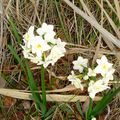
column 39, row 46
column 46, row 31
column 45, row 28
column 29, row 36
column 93, row 118
column 108, row 76
column 27, row 52
column 103, row 66
column 54, row 55
column 57, row 52
column 45, row 45
column 37, row 60
column 61, row 44
column 80, row 63
column 75, row 81
column 91, row 72
column 86, row 77
column 96, row 87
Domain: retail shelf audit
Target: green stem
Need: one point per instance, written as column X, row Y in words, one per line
column 43, row 85
column 89, row 111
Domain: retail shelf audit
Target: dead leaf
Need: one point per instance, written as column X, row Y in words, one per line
column 8, row 101
column 50, row 97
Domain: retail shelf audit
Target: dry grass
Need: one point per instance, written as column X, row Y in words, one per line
column 91, row 29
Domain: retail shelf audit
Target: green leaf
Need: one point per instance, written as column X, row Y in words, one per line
column 14, row 30
column 79, row 108
column 16, row 56
column 66, row 108
column 33, row 88
column 103, row 103
column 89, row 111
column 43, row 85
column 50, row 111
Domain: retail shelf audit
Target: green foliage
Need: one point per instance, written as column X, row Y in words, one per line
column 50, row 112
column 66, row 108
column 13, row 27
column 31, row 81
column 35, row 96
column 16, row 56
column 43, row 86
column 57, row 4
column 99, row 107
column 79, row 108
column 89, row 111
column 104, row 102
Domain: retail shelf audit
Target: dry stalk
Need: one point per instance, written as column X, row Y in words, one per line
column 102, row 30
column 50, row 97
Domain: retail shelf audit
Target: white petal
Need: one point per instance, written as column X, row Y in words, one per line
column 80, row 63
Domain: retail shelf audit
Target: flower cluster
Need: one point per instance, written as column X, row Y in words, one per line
column 42, row 47
column 96, row 79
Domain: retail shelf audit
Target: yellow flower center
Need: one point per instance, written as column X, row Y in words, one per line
column 97, row 88
column 38, row 46
column 104, row 67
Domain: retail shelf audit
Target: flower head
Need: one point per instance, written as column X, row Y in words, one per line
column 96, row 87
column 46, row 31
column 43, row 48
column 108, row 76
column 103, row 66
column 91, row 72
column 29, row 36
column 39, row 46
column 80, row 64
column 86, row 77
column 75, row 81
column 57, row 52
column 94, row 82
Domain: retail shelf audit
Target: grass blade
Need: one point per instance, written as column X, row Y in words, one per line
column 66, row 108
column 43, row 85
column 33, row 88
column 79, row 108
column 89, row 111
column 16, row 56
column 14, row 30
column 50, row 111
column 31, row 82
column 61, row 21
